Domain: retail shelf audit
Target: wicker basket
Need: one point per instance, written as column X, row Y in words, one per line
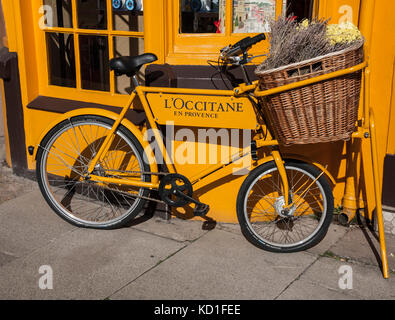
column 321, row 112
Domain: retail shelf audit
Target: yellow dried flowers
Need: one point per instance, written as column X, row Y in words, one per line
column 344, row 32
column 304, row 24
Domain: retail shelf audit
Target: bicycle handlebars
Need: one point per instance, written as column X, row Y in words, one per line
column 241, row 46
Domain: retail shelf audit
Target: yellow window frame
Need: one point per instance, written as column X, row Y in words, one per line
column 78, row 93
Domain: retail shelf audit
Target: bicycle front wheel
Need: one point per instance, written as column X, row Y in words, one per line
column 62, row 166
column 260, row 204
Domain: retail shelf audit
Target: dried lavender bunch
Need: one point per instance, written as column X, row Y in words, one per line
column 311, row 41
column 290, row 42
column 283, row 32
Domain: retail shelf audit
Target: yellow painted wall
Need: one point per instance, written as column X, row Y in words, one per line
column 340, row 10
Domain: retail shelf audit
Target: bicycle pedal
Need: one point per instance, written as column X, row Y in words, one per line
column 201, row 210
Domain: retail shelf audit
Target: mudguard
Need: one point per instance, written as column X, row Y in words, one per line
column 303, row 159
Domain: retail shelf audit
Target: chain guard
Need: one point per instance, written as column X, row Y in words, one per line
column 170, row 185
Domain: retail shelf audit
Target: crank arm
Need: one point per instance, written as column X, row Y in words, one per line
column 186, row 197
column 200, row 209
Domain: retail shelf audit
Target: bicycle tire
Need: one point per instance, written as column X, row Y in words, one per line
column 61, row 160
column 261, row 189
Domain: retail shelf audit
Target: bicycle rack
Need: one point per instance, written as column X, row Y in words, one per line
column 367, row 130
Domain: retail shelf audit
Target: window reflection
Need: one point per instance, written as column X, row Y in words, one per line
column 126, row 46
column 128, row 18
column 92, row 14
column 61, row 13
column 127, row 5
column 202, row 16
column 253, row 16
column 61, row 61
column 94, row 63
column 300, row 9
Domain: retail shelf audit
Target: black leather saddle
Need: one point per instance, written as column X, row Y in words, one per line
column 131, row 65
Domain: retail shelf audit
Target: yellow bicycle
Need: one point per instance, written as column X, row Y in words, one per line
column 95, row 172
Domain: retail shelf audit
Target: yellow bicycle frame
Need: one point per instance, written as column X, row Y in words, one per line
column 141, row 92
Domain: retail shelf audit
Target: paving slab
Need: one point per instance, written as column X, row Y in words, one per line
column 28, row 223
column 362, row 245
column 230, row 227
column 219, row 265
column 86, row 264
column 367, row 280
column 334, row 235
column 12, row 186
column 5, row 258
column 305, row 290
column 176, row 229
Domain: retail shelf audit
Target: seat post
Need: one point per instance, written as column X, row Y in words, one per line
column 135, row 81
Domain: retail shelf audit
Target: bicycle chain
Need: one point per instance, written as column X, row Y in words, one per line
column 143, row 173
column 137, row 196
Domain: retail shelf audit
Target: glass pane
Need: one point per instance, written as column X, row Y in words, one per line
column 125, row 46
column 128, row 15
column 92, row 14
column 60, row 14
column 95, row 69
column 61, row 61
column 253, row 16
column 202, row 16
column 300, row 9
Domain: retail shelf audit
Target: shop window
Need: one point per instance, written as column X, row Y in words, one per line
column 202, row 16
column 300, row 9
column 99, row 30
column 248, row 16
column 60, row 49
column 253, row 16
column 95, row 69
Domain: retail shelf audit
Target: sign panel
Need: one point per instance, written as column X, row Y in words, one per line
column 203, row 111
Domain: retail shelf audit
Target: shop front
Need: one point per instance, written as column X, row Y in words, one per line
column 55, row 59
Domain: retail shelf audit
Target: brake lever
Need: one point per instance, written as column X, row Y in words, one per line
column 253, row 57
column 224, row 48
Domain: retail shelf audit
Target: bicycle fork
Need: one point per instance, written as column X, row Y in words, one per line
column 289, row 201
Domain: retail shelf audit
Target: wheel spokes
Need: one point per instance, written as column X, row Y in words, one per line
column 275, row 226
column 67, row 160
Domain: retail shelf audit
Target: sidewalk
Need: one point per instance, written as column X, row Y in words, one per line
column 176, row 259
column 157, row 259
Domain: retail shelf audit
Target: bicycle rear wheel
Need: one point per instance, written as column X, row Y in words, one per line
column 62, row 164
column 260, row 202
